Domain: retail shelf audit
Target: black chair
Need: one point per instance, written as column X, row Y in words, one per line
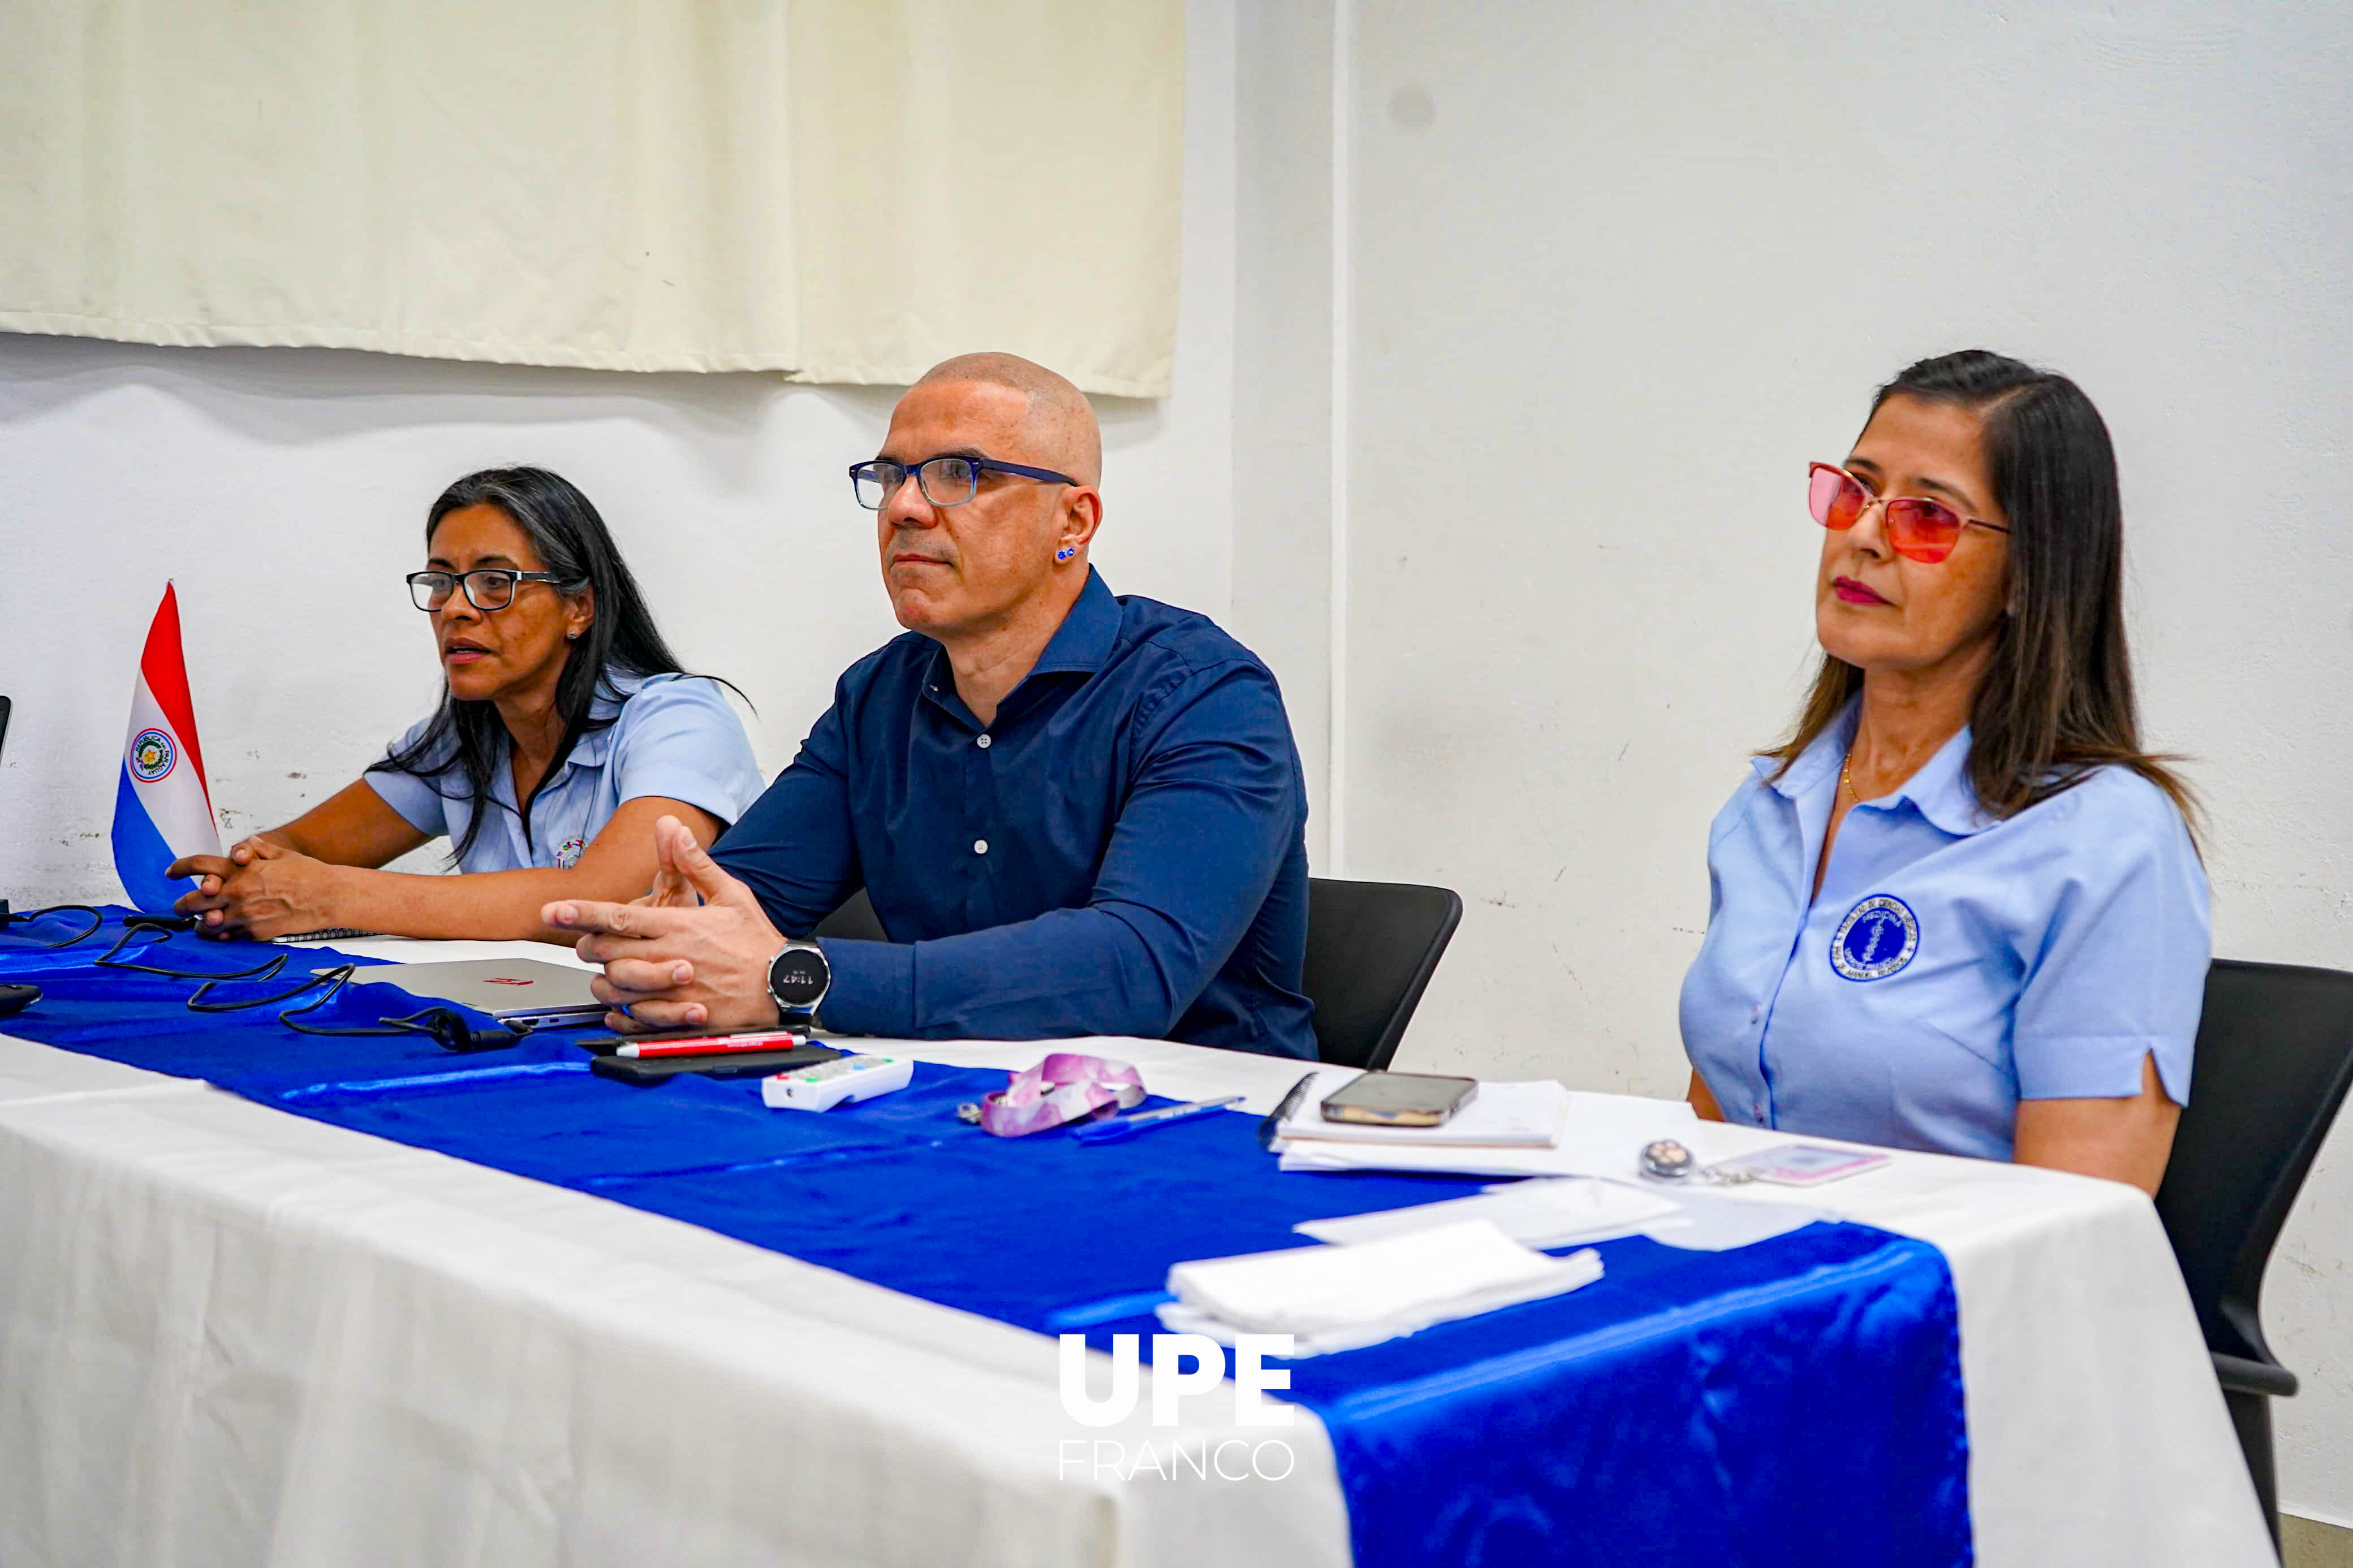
column 1371, row 949
column 2274, row 1060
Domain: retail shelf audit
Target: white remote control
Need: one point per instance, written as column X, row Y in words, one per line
column 828, row 1084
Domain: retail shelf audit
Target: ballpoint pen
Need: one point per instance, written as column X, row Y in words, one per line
column 1120, row 1129
column 715, row 1045
column 1270, row 1129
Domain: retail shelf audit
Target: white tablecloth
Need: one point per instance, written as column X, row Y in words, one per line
column 229, row 1334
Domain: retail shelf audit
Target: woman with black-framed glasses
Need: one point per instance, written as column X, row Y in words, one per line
column 1960, row 908
column 565, row 731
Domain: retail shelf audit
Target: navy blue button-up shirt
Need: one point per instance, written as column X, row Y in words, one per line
column 1122, row 851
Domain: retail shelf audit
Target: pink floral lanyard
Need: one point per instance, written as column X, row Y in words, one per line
column 1066, row 1087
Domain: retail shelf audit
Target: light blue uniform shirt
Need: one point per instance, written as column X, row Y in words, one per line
column 674, row 736
column 1952, row 964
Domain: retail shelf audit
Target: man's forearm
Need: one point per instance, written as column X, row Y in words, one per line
column 1067, row 974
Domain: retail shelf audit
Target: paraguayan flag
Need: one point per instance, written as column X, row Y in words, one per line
column 162, row 809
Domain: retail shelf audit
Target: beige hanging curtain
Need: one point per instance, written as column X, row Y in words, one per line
column 843, row 190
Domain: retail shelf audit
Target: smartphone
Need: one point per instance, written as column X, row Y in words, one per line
column 1400, row 1100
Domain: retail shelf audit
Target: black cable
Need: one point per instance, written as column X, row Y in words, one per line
column 445, row 1025
column 197, row 1003
column 9, row 916
column 335, row 979
column 122, row 940
column 161, row 927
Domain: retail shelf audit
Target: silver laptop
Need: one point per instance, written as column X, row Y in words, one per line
column 521, row 992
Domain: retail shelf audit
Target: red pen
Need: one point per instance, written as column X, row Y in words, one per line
column 714, row 1045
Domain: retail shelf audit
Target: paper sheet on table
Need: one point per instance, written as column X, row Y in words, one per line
column 1559, row 1212
column 1716, row 1222
column 1705, row 1219
column 1603, row 1135
column 1342, row 1298
column 1511, row 1115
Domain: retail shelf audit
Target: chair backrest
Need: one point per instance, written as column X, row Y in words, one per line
column 2274, row 1060
column 1371, row 949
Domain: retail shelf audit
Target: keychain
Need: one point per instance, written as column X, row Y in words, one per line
column 1668, row 1161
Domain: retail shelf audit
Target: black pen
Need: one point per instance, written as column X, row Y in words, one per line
column 1273, row 1123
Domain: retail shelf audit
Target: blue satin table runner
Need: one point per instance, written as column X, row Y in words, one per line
column 1797, row 1402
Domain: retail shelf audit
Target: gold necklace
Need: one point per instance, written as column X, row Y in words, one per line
column 1846, row 776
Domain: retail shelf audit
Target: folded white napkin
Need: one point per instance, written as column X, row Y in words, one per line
column 1339, row 1297
column 1561, row 1212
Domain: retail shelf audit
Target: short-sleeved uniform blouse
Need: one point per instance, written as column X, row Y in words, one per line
column 672, row 735
column 1952, row 963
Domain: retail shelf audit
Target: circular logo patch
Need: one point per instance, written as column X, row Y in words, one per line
column 567, row 854
column 1877, row 938
column 151, row 755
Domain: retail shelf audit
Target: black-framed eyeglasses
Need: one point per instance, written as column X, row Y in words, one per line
column 946, row 482
column 487, row 587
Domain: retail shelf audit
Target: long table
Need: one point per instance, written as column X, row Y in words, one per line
column 228, row 1333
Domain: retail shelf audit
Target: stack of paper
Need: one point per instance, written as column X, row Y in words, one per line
column 1565, row 1211
column 1499, row 1116
column 1342, row 1298
column 1598, row 1135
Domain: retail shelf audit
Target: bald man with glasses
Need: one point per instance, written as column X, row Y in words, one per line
column 1074, row 813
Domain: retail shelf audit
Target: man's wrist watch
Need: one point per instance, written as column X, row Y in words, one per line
column 798, row 978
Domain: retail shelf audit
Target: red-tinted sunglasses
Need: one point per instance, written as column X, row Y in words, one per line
column 1917, row 529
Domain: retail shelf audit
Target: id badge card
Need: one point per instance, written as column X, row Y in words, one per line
column 1798, row 1165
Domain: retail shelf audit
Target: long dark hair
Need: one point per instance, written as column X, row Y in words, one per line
column 572, row 544
column 2057, row 700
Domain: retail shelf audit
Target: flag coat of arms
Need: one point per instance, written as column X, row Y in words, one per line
column 162, row 807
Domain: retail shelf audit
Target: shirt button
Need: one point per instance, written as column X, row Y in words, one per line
column 1757, row 1012
column 980, row 846
column 982, row 743
column 1757, row 1109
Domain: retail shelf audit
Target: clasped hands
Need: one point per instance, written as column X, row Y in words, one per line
column 693, row 954
column 257, row 889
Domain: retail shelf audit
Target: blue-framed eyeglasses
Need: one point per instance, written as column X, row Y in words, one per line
column 946, row 482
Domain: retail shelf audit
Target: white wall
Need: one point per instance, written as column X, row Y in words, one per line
column 286, row 490
column 1619, row 272
column 1282, row 371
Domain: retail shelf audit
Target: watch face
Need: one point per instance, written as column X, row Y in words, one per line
column 799, row 976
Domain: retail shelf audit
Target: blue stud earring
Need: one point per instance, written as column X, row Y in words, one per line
column 1065, row 553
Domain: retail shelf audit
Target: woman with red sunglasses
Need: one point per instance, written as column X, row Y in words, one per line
column 1960, row 908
